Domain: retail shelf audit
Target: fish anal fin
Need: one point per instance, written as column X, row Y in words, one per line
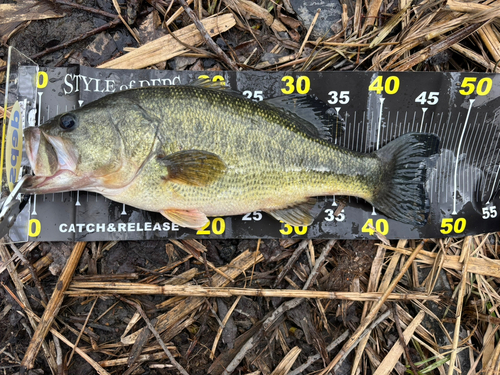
column 296, row 215
column 193, row 219
column 193, row 167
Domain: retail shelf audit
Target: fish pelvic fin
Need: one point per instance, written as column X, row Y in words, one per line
column 193, row 219
column 402, row 195
column 296, row 215
column 192, row 167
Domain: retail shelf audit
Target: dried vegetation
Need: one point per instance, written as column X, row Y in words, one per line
column 262, row 307
column 278, row 307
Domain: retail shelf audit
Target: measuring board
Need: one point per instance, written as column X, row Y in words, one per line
column 376, row 107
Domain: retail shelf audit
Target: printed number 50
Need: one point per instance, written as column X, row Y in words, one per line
column 482, row 88
column 448, row 225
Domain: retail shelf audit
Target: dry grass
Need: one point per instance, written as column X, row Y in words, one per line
column 429, row 284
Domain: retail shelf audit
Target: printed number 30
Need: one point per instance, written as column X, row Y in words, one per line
column 288, row 229
column 302, row 85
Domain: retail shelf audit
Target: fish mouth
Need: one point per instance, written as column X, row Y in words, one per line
column 52, row 160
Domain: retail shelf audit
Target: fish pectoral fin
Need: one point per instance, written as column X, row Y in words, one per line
column 193, row 219
column 193, row 167
column 297, row 215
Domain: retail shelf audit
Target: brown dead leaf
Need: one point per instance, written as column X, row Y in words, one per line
column 289, row 21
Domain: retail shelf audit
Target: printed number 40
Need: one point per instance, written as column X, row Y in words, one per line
column 390, row 86
column 489, row 212
column 381, row 226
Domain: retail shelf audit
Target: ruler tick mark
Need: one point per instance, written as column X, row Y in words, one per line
column 471, row 102
column 34, row 206
column 424, row 109
column 39, row 106
column 380, row 121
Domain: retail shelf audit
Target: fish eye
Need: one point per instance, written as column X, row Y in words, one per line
column 68, row 122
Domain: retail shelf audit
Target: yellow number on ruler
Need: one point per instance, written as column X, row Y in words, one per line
column 482, row 88
column 43, row 80
column 34, row 228
column 217, row 78
column 303, row 85
column 288, row 229
column 391, row 85
column 449, row 225
column 218, row 227
column 381, row 226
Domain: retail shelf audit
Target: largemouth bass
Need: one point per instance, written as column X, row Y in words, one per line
column 190, row 152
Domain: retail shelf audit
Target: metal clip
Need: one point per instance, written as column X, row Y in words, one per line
column 10, row 208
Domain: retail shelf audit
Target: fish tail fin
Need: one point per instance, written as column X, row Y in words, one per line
column 402, row 194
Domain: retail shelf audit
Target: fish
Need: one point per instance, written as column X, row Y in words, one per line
column 195, row 151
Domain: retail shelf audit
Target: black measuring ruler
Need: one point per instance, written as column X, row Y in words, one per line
column 376, row 107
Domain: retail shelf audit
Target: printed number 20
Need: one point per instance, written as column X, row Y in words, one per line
column 217, row 78
column 218, row 227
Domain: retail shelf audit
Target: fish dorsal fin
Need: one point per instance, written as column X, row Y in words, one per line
column 297, row 215
column 310, row 115
column 207, row 83
column 186, row 218
column 193, row 167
